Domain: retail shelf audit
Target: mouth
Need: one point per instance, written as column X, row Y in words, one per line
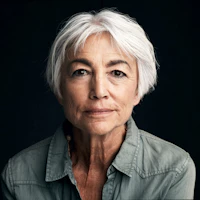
column 99, row 112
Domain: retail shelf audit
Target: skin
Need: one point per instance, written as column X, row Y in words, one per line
column 99, row 91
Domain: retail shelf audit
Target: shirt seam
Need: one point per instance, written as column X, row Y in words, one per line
column 154, row 173
column 16, row 183
column 183, row 166
column 11, row 176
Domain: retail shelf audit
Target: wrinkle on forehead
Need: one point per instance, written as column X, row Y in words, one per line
column 95, row 38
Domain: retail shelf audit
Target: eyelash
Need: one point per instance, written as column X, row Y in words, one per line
column 80, row 73
column 120, row 74
column 80, row 70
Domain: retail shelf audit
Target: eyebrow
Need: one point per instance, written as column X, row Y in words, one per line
column 90, row 64
column 116, row 62
column 81, row 60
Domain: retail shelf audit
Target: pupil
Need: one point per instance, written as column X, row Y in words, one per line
column 117, row 73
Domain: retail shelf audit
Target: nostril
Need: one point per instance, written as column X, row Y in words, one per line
column 98, row 94
column 95, row 97
column 98, row 86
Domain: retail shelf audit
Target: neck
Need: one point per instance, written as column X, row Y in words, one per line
column 96, row 151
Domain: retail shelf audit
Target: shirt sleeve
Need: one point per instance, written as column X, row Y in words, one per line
column 7, row 183
column 184, row 183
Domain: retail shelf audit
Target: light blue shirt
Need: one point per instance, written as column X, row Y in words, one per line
column 146, row 167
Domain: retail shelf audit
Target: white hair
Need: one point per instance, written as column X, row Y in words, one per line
column 126, row 34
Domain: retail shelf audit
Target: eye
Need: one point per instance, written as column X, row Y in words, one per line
column 80, row 72
column 118, row 74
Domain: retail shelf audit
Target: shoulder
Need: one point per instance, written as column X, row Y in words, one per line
column 161, row 156
column 29, row 164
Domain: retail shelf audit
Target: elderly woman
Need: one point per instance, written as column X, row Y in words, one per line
column 100, row 66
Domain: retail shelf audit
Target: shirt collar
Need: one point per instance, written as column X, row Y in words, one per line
column 59, row 163
column 125, row 161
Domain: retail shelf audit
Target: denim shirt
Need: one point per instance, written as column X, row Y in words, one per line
column 146, row 167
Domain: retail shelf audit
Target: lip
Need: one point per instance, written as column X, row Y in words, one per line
column 99, row 111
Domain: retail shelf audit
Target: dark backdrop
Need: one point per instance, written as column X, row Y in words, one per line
column 30, row 112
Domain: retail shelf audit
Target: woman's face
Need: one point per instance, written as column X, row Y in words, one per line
column 99, row 86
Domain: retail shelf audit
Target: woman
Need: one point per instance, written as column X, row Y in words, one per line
column 100, row 66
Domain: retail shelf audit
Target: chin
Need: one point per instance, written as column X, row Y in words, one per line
column 99, row 128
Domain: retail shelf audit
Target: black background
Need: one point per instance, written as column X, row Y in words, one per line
column 29, row 111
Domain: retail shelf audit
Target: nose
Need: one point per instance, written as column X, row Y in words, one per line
column 98, row 88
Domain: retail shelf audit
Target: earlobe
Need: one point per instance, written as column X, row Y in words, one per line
column 60, row 100
column 136, row 100
column 59, row 96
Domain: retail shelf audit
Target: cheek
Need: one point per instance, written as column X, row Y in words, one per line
column 128, row 94
column 73, row 96
column 70, row 106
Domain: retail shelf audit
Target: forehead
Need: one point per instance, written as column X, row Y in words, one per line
column 97, row 44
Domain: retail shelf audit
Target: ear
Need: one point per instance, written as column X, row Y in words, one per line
column 60, row 99
column 136, row 99
column 59, row 96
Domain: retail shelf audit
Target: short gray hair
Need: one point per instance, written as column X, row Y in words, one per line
column 126, row 33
